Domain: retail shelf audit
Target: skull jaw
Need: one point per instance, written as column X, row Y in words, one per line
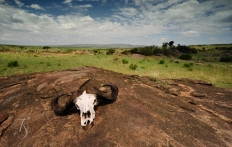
column 85, row 103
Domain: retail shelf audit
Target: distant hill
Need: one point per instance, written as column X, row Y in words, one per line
column 102, row 45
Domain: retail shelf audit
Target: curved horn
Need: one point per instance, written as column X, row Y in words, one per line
column 114, row 92
column 61, row 110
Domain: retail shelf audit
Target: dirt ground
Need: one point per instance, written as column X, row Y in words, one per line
column 147, row 112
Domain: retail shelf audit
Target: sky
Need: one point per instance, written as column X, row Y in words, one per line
column 135, row 22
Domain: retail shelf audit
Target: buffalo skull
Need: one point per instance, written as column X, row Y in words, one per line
column 85, row 103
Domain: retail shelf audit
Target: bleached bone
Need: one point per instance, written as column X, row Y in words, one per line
column 85, row 103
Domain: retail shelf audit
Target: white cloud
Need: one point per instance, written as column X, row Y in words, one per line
column 212, row 39
column 67, row 1
column 163, row 21
column 36, row 6
column 20, row 4
column 190, row 33
column 2, row 1
column 82, row 6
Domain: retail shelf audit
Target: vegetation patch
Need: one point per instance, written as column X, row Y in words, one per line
column 124, row 61
column 13, row 64
column 185, row 57
column 110, row 51
column 161, row 62
column 44, row 61
column 226, row 59
column 133, row 66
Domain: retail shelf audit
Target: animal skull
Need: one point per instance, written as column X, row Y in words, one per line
column 85, row 103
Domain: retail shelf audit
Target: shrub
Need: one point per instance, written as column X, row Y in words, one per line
column 140, row 62
column 46, row 47
column 147, row 51
column 186, row 49
column 13, row 64
column 69, row 50
column 166, row 52
column 49, row 64
column 188, row 65
column 124, row 61
column 226, row 59
column 133, row 66
column 96, row 51
column 134, row 51
column 177, row 62
column 31, row 51
column 186, row 57
column 161, row 62
column 126, row 52
column 157, row 51
column 110, row 51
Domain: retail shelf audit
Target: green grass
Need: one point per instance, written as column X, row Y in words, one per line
column 210, row 46
column 220, row 74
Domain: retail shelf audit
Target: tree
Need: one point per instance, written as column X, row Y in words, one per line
column 46, row 47
column 165, row 44
column 171, row 44
column 110, row 51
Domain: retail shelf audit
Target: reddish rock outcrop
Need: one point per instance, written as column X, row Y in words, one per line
column 146, row 113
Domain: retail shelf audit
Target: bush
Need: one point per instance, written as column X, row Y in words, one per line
column 133, row 66
column 13, row 64
column 126, row 52
column 96, row 51
column 147, row 51
column 46, row 47
column 31, row 51
column 226, row 59
column 134, row 51
column 188, row 65
column 161, row 62
column 186, row 49
column 49, row 64
column 166, row 52
column 157, row 51
column 186, row 57
column 124, row 61
column 110, row 51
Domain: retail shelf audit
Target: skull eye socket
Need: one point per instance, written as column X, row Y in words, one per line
column 77, row 106
column 95, row 101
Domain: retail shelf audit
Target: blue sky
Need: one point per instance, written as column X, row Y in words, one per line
column 136, row 22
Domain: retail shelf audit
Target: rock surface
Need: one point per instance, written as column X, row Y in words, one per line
column 147, row 112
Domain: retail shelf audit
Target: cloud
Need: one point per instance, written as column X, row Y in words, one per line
column 20, row 4
column 190, row 33
column 67, row 1
column 159, row 20
column 2, row 1
column 36, row 6
column 82, row 6
column 212, row 39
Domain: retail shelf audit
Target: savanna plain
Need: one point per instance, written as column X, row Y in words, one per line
column 206, row 64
